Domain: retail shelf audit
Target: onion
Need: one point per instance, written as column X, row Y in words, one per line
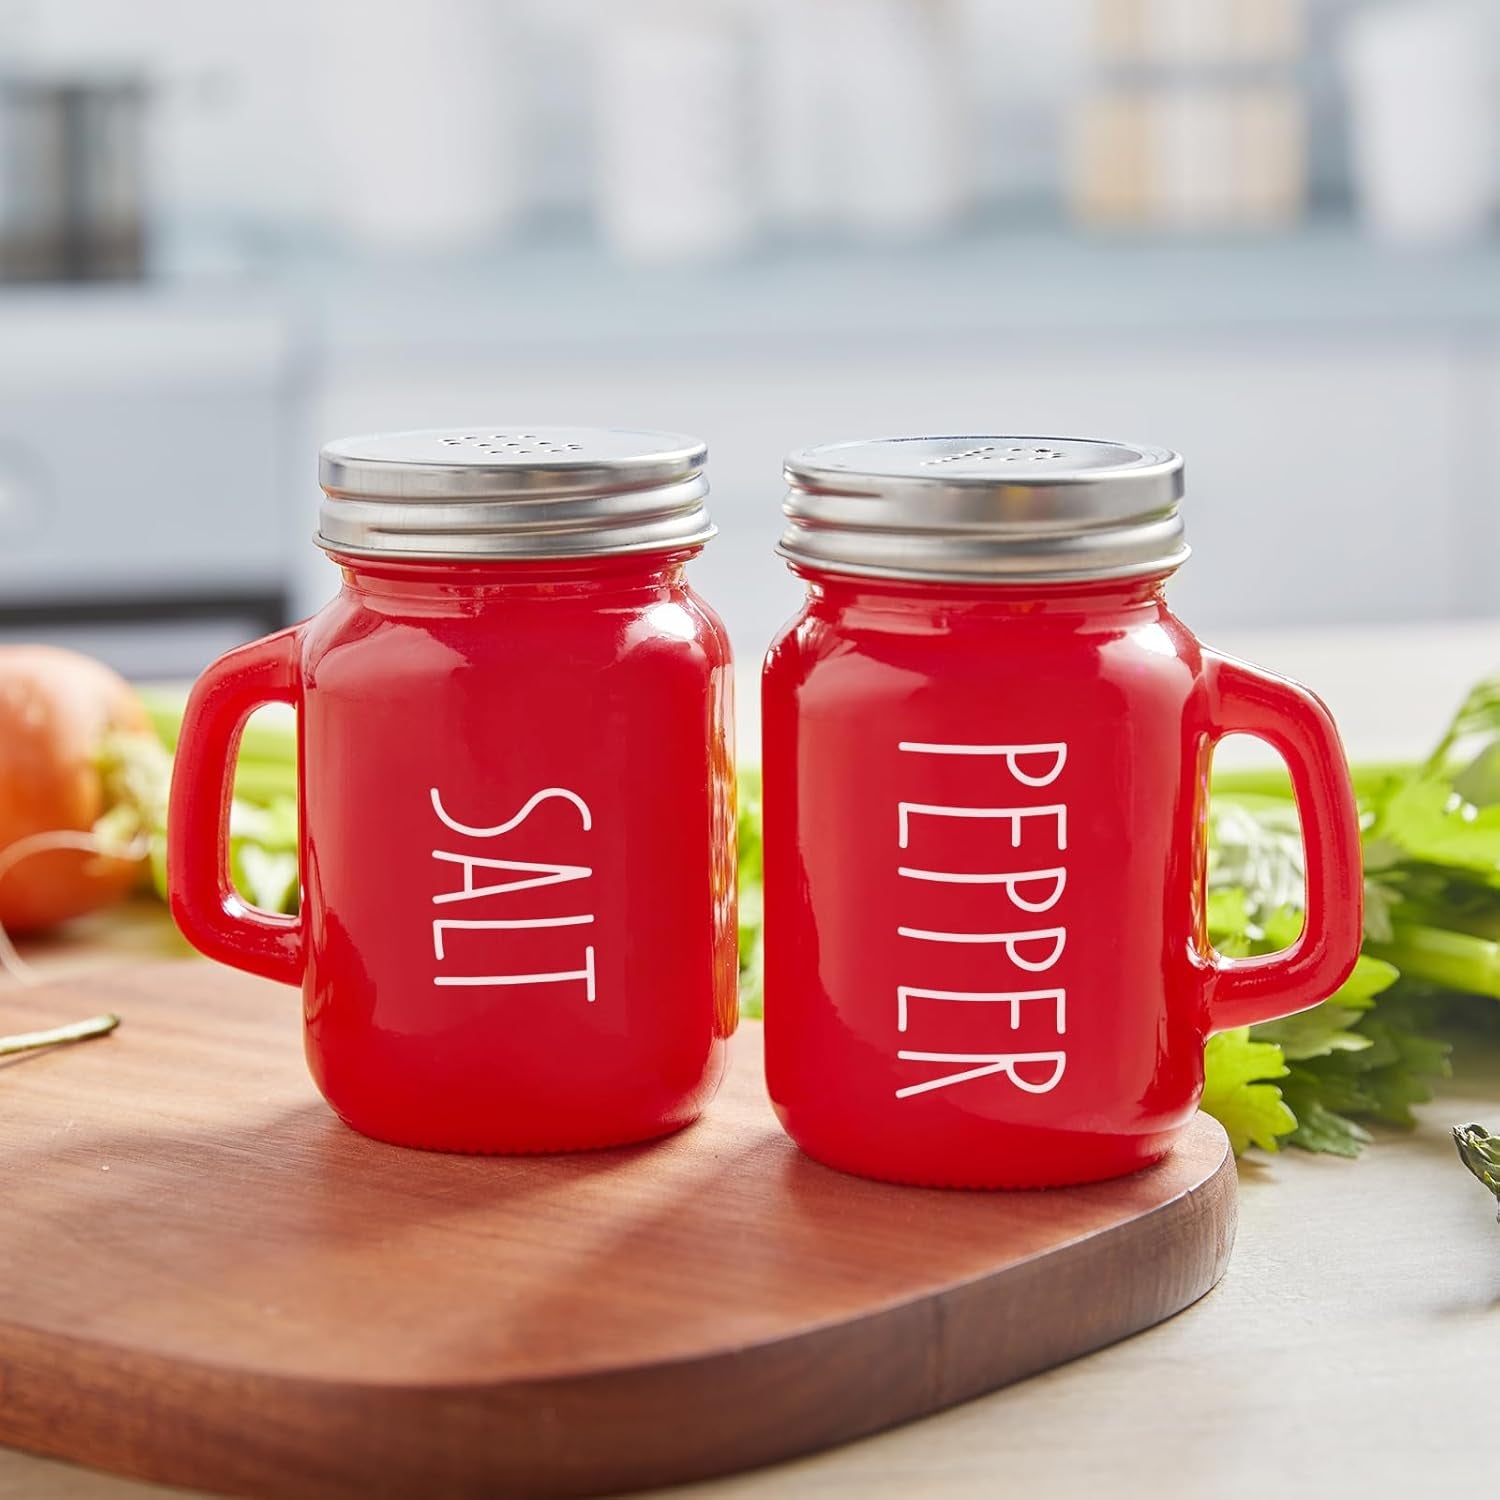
column 56, row 708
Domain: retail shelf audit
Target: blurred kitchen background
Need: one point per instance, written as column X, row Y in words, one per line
column 1261, row 231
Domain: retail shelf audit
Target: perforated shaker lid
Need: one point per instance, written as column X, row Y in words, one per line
column 512, row 493
column 985, row 509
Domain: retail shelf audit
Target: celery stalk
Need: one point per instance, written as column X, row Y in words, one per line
column 1442, row 957
column 262, row 782
column 270, row 738
column 1273, row 781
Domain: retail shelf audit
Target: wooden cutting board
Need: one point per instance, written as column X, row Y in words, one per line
column 206, row 1279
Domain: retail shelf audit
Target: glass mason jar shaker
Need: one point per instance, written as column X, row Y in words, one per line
column 517, row 926
column 986, row 753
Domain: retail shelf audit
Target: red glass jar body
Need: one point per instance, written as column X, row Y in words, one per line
column 984, row 857
column 518, row 928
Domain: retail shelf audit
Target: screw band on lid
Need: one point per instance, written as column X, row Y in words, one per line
column 477, row 494
column 985, row 509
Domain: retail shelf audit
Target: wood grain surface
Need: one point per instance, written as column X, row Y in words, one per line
column 209, row 1280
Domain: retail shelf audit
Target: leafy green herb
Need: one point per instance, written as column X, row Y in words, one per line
column 1319, row 1127
column 1239, row 1092
column 1332, row 1093
column 1426, row 821
column 263, row 853
column 1255, row 850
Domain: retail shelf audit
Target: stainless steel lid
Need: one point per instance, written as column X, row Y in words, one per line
column 985, row 509
column 511, row 493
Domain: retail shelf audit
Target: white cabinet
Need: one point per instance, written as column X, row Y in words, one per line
column 143, row 497
column 142, row 444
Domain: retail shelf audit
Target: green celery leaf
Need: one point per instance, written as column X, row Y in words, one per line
column 263, row 853
column 1380, row 900
column 1407, row 1077
column 1255, row 845
column 1280, row 929
column 1424, row 821
column 1313, row 1083
column 265, row 878
column 1238, row 1091
column 1447, row 813
column 1381, row 1081
column 1478, row 714
column 273, row 827
column 1314, row 1033
column 1227, row 915
column 1371, row 977
column 1479, row 781
column 1319, row 1128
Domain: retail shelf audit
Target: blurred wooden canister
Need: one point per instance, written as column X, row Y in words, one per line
column 1192, row 116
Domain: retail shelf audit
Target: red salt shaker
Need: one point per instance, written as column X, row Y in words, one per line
column 517, row 925
column 986, row 754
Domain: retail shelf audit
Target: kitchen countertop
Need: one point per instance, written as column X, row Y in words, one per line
column 1351, row 1349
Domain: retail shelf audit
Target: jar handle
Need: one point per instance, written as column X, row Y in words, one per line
column 204, row 901
column 1295, row 723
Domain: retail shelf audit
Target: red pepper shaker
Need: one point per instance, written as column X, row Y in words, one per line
column 986, row 753
column 517, row 926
